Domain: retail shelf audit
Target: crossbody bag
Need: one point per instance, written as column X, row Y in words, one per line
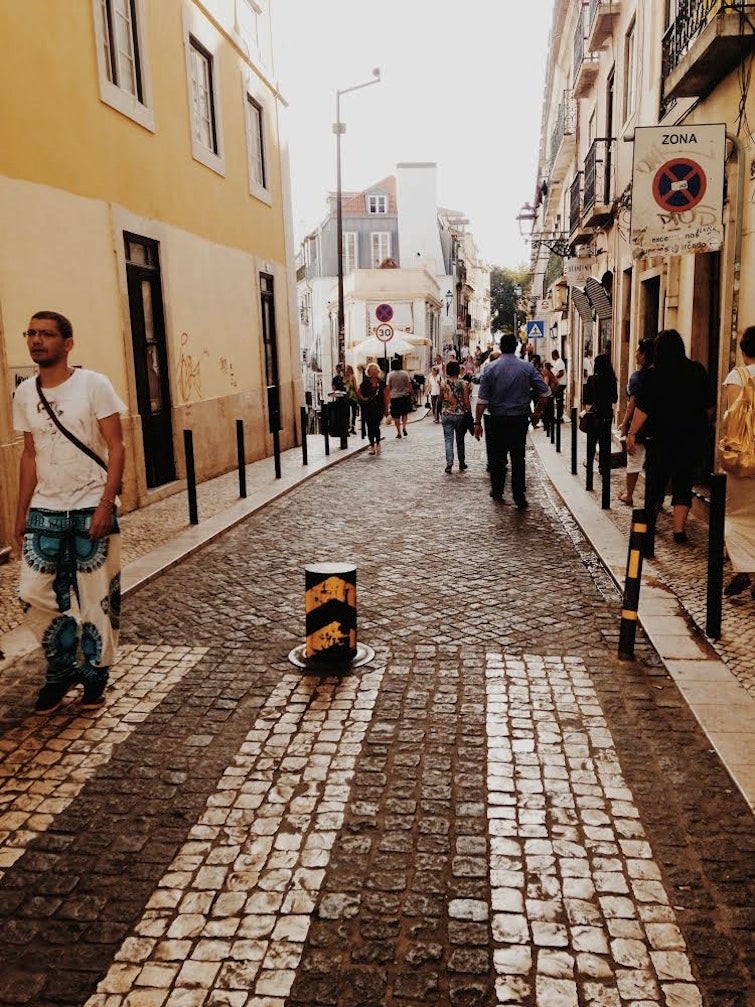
column 64, row 430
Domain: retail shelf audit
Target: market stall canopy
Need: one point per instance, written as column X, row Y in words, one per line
column 374, row 347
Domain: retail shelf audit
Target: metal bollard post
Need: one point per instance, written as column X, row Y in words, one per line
column 589, row 470
column 331, row 619
column 554, row 423
column 632, row 583
column 303, row 414
column 324, row 423
column 191, row 478
column 716, row 521
column 277, row 453
column 605, row 455
column 241, row 456
column 650, row 504
column 574, row 431
column 559, row 421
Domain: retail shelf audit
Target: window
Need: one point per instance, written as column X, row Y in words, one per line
column 255, row 141
column 201, row 45
column 630, row 58
column 350, row 246
column 377, row 204
column 122, row 58
column 202, row 98
column 380, row 247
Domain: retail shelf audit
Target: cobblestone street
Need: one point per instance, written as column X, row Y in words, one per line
column 494, row 811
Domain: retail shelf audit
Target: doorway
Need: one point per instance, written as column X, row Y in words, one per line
column 145, row 302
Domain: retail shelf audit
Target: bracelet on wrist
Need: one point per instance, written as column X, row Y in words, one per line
column 110, row 504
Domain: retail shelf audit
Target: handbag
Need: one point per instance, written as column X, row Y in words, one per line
column 588, row 420
column 737, row 445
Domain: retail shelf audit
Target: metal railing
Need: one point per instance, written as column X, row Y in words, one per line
column 581, row 54
column 565, row 125
column 598, row 187
column 575, row 202
column 691, row 18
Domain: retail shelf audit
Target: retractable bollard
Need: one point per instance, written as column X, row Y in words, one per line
column 632, row 582
column 331, row 620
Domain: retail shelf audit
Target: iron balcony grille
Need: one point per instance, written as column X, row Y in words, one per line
column 598, row 190
column 581, row 54
column 692, row 16
column 575, row 202
column 565, row 125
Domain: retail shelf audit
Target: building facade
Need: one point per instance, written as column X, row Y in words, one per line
column 145, row 197
column 437, row 285
column 614, row 68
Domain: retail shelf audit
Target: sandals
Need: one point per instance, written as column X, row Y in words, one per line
column 626, row 499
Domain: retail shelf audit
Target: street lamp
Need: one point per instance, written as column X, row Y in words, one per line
column 554, row 241
column 449, row 298
column 339, row 128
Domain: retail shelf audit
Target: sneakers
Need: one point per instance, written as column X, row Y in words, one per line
column 51, row 696
column 94, row 697
column 462, row 466
column 449, row 469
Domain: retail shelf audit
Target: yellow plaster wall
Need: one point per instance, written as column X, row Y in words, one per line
column 61, row 134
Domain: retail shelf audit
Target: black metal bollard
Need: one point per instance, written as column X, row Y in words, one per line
column 325, row 423
column 191, row 477
column 574, row 431
column 559, row 421
column 241, row 457
column 632, row 583
column 590, row 464
column 716, row 521
column 277, row 453
column 554, row 423
column 303, row 415
column 605, row 465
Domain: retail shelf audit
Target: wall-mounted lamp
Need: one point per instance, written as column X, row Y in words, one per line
column 449, row 297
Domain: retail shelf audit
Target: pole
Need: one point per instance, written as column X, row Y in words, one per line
column 303, row 414
column 558, row 435
column 241, row 456
column 605, row 467
column 339, row 129
column 574, row 431
column 191, row 478
column 716, row 521
column 324, row 422
column 632, row 583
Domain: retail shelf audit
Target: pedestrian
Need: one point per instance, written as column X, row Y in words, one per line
column 674, row 407
column 601, row 394
column 549, row 413
column 454, row 397
column 373, row 398
column 338, row 384
column 66, row 522
column 400, row 389
column 643, row 359
column 740, row 490
column 506, row 389
column 352, row 399
column 559, row 392
column 433, row 383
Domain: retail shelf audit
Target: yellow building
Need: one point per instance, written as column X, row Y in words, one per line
column 142, row 194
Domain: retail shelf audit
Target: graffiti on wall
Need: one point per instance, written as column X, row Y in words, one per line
column 189, row 373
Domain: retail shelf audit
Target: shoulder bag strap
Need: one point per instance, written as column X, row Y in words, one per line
column 67, row 433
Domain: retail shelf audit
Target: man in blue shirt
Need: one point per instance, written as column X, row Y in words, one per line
column 507, row 388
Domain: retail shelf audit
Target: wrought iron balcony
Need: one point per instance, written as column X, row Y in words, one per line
column 707, row 40
column 600, row 22
column 585, row 64
column 598, row 194
column 563, row 137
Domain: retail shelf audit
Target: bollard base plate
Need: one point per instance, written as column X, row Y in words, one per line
column 363, row 655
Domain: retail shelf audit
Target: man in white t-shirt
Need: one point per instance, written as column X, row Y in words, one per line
column 66, row 522
column 559, row 370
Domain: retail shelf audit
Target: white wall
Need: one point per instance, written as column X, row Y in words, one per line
column 417, row 197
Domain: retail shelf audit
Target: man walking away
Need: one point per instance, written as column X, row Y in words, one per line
column 507, row 387
column 559, row 372
column 66, row 523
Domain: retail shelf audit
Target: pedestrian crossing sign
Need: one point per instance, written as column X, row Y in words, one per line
column 535, row 330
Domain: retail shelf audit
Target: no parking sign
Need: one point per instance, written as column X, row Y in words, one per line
column 677, row 189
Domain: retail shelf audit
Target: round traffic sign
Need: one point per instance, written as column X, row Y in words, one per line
column 384, row 333
column 679, row 185
column 384, row 313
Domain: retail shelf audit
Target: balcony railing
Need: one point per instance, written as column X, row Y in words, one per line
column 600, row 22
column 565, row 125
column 575, row 202
column 598, row 189
column 585, row 64
column 694, row 60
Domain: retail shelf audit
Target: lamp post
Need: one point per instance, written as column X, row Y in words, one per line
column 339, row 128
column 517, row 295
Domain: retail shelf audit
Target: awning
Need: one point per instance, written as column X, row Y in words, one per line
column 582, row 303
column 599, row 298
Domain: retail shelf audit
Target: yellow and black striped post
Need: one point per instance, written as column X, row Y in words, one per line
column 632, row 582
column 331, row 612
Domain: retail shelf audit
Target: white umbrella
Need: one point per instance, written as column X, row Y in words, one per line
column 374, row 347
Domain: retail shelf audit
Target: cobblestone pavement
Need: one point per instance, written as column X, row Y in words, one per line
column 494, row 811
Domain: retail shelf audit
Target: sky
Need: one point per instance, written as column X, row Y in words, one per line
column 461, row 85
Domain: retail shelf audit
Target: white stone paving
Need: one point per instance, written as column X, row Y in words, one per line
column 228, row 921
column 577, row 898
column 43, row 768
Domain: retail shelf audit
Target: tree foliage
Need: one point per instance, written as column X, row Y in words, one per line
column 504, row 301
